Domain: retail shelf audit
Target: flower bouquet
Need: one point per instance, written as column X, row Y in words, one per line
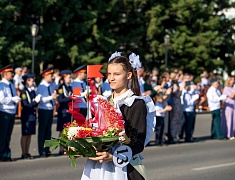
column 85, row 137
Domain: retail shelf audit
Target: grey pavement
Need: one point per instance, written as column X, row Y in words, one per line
column 204, row 159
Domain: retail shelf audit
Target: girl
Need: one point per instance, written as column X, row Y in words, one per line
column 138, row 113
column 28, row 113
column 64, row 91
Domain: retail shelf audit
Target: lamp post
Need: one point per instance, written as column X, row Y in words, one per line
column 34, row 32
column 166, row 43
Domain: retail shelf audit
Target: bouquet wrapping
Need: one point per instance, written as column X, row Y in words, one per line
column 83, row 137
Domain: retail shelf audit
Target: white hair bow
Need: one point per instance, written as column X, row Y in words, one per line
column 116, row 54
column 135, row 61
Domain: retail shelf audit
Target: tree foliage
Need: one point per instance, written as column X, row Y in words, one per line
column 77, row 32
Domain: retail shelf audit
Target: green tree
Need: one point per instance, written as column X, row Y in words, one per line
column 77, row 32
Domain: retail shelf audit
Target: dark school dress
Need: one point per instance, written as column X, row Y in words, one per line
column 135, row 128
column 63, row 116
column 28, row 112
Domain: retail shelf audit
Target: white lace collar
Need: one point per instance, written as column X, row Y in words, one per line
column 125, row 95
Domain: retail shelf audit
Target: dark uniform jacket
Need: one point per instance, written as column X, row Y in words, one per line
column 64, row 91
column 28, row 104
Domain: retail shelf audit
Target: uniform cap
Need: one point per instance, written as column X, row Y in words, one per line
column 27, row 76
column 80, row 69
column 213, row 80
column 8, row 68
column 64, row 72
column 47, row 71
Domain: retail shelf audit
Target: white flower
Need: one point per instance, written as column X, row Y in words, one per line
column 116, row 54
column 135, row 61
column 72, row 132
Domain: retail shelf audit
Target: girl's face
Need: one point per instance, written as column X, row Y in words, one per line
column 30, row 82
column 117, row 77
column 67, row 79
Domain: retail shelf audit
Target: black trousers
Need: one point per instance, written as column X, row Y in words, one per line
column 45, row 118
column 159, row 130
column 189, row 125
column 6, row 126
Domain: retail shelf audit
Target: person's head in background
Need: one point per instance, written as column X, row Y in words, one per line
column 56, row 76
column 187, row 77
column 162, row 81
column 28, row 80
column 65, row 77
column 18, row 71
column 81, row 72
column 166, row 75
column 214, row 82
column 48, row 75
column 7, row 72
column 140, row 72
column 155, row 72
column 158, row 97
column 24, row 70
column 147, row 78
column 229, row 82
column 174, row 77
column 187, row 85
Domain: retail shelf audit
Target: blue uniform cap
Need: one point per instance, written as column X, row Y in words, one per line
column 27, row 76
column 213, row 80
column 80, row 69
column 65, row 72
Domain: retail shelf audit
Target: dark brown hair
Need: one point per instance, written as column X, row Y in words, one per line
column 134, row 84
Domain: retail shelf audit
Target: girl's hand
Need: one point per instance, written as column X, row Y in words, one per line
column 102, row 157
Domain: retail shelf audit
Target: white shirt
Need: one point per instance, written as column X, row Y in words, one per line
column 158, row 107
column 189, row 101
column 6, row 103
column 213, row 100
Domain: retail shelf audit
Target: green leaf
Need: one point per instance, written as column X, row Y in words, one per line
column 54, row 143
column 83, row 147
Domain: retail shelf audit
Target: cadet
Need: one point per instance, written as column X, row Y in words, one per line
column 64, row 91
column 80, row 82
column 8, row 105
column 45, row 111
column 28, row 113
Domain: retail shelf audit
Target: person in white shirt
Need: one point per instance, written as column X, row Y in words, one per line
column 189, row 101
column 214, row 97
column 8, row 105
column 161, row 108
column 18, row 79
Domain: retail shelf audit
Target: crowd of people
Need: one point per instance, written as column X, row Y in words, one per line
column 175, row 94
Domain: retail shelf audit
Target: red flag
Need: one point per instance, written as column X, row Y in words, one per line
column 76, row 91
column 93, row 71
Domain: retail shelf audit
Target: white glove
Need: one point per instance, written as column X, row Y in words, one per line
column 37, row 98
column 16, row 99
column 195, row 97
column 222, row 97
column 21, row 86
